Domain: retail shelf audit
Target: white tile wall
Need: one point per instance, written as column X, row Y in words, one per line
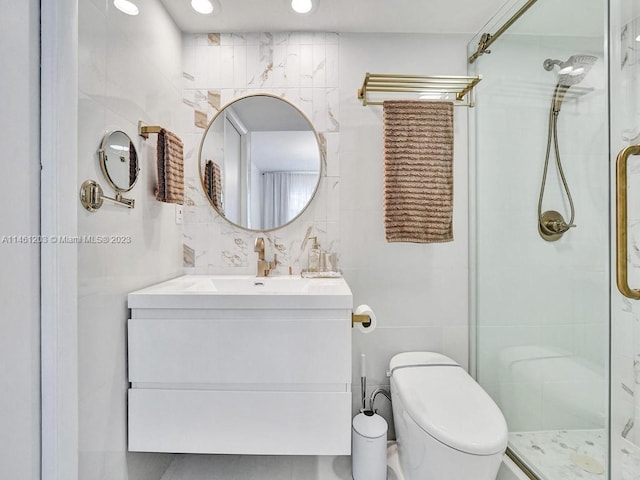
column 129, row 70
column 418, row 291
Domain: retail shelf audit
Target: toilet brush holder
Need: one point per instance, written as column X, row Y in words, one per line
column 369, row 447
column 368, row 438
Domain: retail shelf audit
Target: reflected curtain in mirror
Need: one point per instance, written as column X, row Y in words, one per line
column 284, row 196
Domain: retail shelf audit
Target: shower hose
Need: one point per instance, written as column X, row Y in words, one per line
column 556, row 227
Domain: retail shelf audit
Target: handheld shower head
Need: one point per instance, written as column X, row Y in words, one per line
column 575, row 69
column 572, row 72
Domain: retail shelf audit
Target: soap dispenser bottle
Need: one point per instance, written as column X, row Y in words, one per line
column 314, row 256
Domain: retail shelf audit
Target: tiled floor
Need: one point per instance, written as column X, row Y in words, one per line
column 258, row 467
column 551, row 452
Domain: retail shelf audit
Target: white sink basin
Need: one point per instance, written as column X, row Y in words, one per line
column 244, row 291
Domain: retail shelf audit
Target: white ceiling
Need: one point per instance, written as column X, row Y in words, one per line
column 406, row 16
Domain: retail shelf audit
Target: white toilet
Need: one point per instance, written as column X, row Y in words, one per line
column 447, row 426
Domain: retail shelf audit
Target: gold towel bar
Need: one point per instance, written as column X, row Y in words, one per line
column 360, row 318
column 145, row 130
column 429, row 84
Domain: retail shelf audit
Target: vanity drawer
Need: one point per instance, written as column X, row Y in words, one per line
column 240, row 422
column 240, row 351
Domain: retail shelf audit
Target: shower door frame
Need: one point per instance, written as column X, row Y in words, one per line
column 623, row 297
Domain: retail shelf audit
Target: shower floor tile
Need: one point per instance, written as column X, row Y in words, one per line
column 556, row 454
column 629, row 459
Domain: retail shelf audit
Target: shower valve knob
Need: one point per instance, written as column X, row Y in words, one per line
column 552, row 225
column 558, row 226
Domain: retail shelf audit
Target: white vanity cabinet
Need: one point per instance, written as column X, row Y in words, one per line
column 241, row 365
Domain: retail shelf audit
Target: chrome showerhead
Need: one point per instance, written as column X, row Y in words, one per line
column 572, row 72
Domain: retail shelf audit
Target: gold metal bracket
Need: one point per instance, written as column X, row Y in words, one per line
column 364, row 319
column 622, row 274
column 145, row 130
column 483, row 47
column 92, row 197
column 487, row 39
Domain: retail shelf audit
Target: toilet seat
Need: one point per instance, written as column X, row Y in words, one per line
column 445, row 402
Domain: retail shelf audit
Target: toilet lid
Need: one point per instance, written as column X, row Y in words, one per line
column 448, row 404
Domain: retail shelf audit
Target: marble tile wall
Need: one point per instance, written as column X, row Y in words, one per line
column 219, row 67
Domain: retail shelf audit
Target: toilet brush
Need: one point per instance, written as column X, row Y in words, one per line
column 363, row 381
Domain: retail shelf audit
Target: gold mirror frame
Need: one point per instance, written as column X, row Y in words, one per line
column 321, row 157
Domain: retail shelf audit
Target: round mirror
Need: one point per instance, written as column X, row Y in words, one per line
column 119, row 161
column 260, row 162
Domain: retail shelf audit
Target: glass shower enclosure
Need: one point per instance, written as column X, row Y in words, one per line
column 556, row 343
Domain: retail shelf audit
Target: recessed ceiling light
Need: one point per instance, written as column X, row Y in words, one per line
column 303, row 7
column 206, row 7
column 638, row 38
column 125, row 6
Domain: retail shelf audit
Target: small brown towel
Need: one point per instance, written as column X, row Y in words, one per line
column 170, row 168
column 133, row 165
column 213, row 183
column 418, row 184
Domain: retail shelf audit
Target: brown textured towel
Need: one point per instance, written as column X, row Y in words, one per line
column 170, row 168
column 133, row 165
column 418, row 163
column 213, row 183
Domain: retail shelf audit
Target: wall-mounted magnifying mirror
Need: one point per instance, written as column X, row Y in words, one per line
column 119, row 161
column 260, row 162
column 119, row 165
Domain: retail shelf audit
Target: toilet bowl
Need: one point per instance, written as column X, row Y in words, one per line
column 447, row 426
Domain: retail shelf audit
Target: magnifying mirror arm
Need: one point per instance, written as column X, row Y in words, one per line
column 92, row 196
column 119, row 199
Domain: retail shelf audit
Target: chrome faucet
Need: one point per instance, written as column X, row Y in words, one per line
column 264, row 267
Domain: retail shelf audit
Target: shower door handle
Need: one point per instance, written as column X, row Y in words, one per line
column 622, row 274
